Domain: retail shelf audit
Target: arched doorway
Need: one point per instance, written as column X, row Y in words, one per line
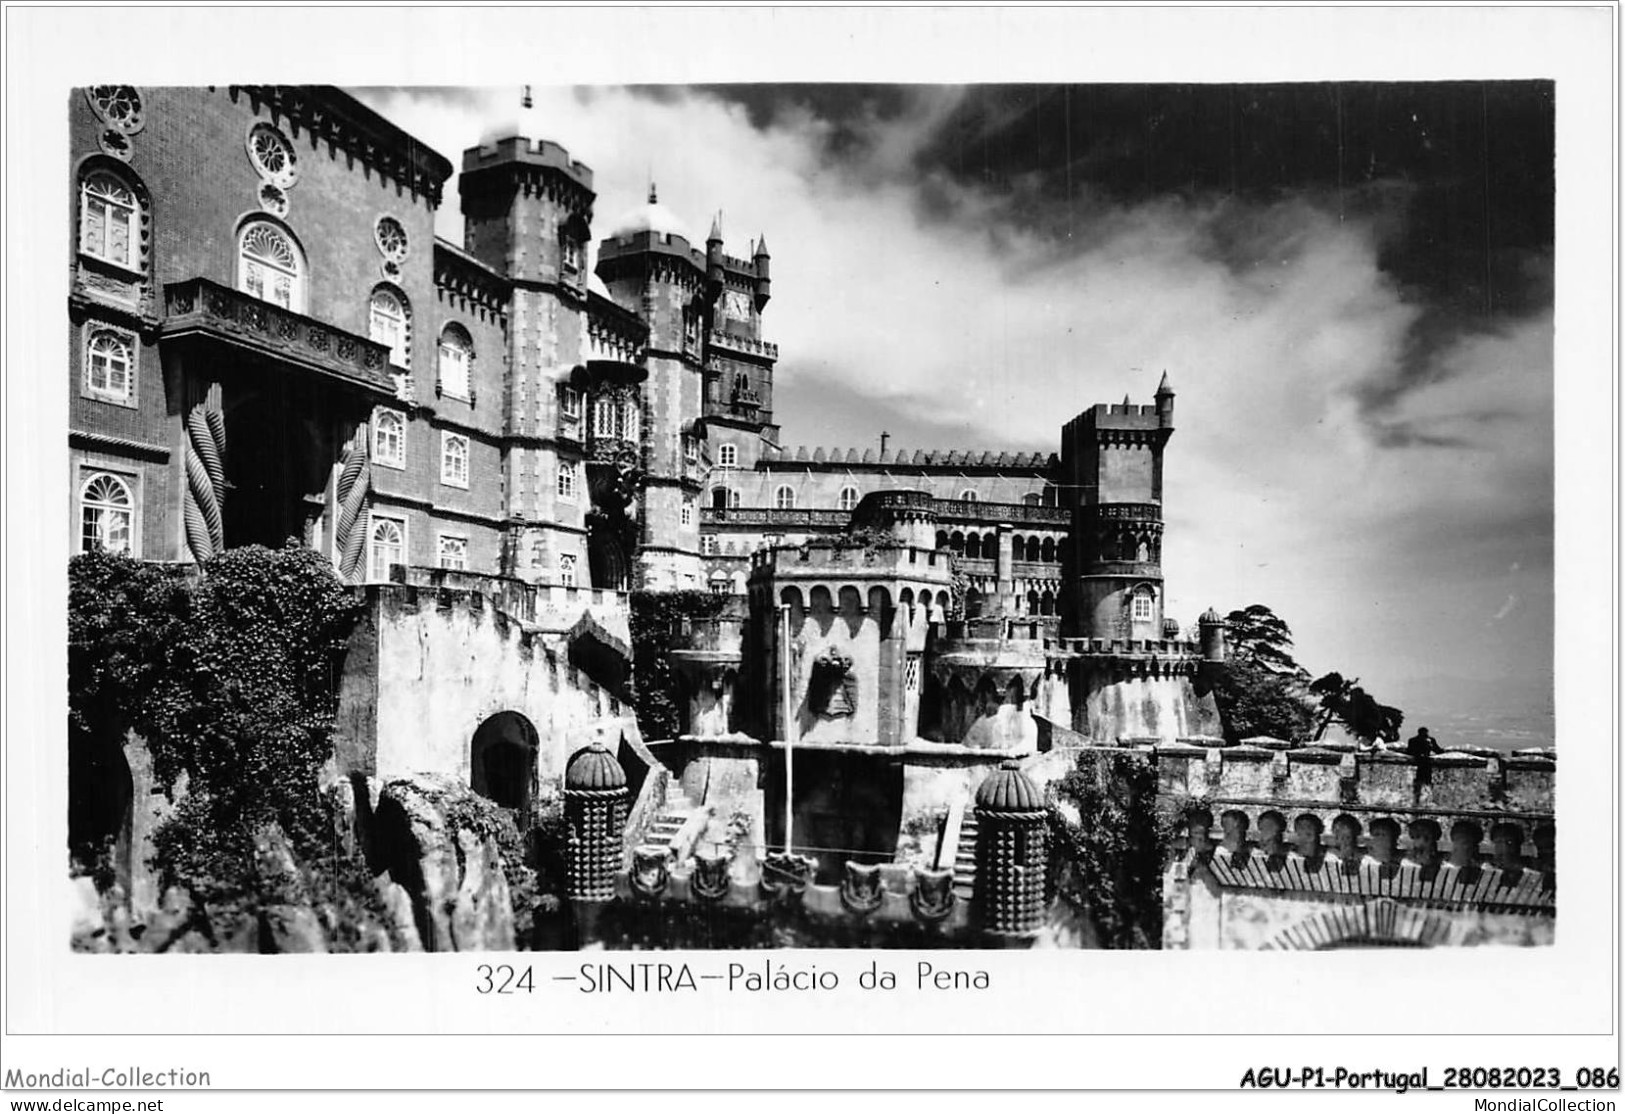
column 502, row 764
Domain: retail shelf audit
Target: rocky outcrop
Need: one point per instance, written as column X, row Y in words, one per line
column 453, row 877
column 439, row 882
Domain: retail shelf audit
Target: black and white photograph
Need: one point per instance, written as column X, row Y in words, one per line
column 538, row 521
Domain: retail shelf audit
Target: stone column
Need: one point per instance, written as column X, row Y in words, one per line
column 1004, row 573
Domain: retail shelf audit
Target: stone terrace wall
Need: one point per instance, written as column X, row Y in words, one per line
column 426, row 667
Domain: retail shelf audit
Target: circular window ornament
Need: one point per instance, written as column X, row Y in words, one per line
column 391, row 238
column 115, row 143
column 272, row 155
column 119, row 105
column 273, row 200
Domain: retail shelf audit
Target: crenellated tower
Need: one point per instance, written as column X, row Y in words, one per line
column 649, row 264
column 527, row 213
column 1111, row 460
column 738, row 361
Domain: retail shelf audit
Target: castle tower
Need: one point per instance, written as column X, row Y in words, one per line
column 1111, row 459
column 738, row 361
column 527, row 211
column 649, row 265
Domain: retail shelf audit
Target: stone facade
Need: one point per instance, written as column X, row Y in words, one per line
column 1319, row 847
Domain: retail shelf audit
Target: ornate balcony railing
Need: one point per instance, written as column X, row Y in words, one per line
column 1140, row 512
column 773, row 517
column 199, row 307
column 971, row 510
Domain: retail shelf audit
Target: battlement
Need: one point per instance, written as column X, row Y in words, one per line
column 1481, row 782
column 518, row 149
column 746, row 345
column 664, row 243
column 956, row 459
column 539, row 608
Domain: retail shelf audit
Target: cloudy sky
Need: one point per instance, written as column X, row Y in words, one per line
column 1349, row 286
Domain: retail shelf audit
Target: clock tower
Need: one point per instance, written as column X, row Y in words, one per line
column 738, row 362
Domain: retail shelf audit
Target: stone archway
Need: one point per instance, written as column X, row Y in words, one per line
column 1379, row 923
column 502, row 763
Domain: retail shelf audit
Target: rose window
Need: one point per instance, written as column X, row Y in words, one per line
column 119, row 105
column 391, row 238
column 272, row 155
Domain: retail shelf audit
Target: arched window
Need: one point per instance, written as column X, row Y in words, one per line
column 567, row 570
column 109, row 365
column 727, row 456
column 567, row 481
column 968, row 495
column 109, row 220
column 451, row 551
column 386, row 545
column 784, row 497
column 849, row 498
column 456, row 356
column 388, row 322
column 389, row 438
column 603, row 417
column 106, row 514
column 1032, row 498
column 632, row 419
column 453, row 459
column 1142, row 611
column 687, row 511
column 269, row 267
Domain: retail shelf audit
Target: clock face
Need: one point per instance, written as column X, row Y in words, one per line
column 737, row 305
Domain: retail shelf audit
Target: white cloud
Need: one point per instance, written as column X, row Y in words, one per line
column 1268, row 318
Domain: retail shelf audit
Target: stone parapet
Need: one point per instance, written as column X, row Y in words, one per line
column 1486, row 782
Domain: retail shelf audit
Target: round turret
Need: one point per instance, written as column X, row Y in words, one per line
column 595, row 812
column 1011, row 858
column 1007, row 789
column 1211, row 628
column 594, row 768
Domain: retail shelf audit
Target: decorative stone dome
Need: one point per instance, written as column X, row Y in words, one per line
column 1007, row 789
column 1211, row 618
column 651, row 216
column 594, row 768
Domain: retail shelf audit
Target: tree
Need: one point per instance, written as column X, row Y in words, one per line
column 1257, row 636
column 1262, row 690
column 1344, row 701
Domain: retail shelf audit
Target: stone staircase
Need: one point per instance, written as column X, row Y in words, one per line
column 670, row 819
column 965, row 857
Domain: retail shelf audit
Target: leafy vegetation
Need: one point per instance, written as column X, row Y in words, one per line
column 1266, row 692
column 232, row 679
column 1108, row 863
column 657, row 624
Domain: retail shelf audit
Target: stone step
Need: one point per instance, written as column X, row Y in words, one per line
column 965, row 857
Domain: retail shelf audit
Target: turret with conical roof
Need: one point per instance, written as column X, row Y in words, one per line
column 1165, row 403
column 764, row 282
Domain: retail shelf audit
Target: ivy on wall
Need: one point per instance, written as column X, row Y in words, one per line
column 657, row 626
column 1108, row 863
column 231, row 677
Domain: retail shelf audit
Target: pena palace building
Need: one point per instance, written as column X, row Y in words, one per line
column 267, row 340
